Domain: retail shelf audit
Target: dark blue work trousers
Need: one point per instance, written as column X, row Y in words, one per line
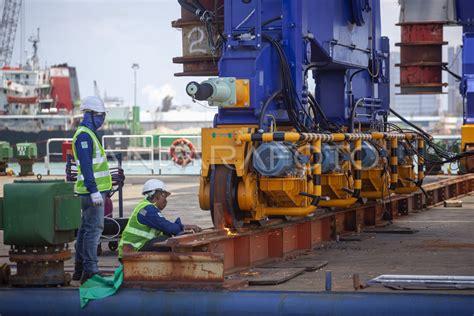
column 88, row 235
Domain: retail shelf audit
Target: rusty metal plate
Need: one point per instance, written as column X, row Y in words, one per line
column 173, row 267
column 421, row 58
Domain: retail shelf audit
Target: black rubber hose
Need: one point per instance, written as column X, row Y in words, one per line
column 455, row 75
column 404, row 120
column 265, row 107
column 355, row 73
column 198, row 4
column 353, row 112
column 188, row 6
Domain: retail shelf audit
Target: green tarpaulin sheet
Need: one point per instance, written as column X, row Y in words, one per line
column 99, row 287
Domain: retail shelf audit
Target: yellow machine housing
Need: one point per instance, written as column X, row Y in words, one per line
column 467, row 144
column 228, row 176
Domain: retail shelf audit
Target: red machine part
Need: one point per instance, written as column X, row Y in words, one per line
column 421, row 58
column 66, row 149
column 182, row 151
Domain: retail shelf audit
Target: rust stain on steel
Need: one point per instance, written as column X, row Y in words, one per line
column 197, row 59
column 62, row 255
column 224, row 254
column 421, row 58
column 173, row 267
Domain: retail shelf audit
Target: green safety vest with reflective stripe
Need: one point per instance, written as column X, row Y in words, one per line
column 135, row 233
column 100, row 167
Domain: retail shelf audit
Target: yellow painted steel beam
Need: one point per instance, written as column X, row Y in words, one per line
column 288, row 211
column 335, row 137
column 393, row 163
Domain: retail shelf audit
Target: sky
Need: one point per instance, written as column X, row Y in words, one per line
column 103, row 38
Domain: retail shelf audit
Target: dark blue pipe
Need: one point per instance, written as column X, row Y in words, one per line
column 132, row 302
column 328, row 281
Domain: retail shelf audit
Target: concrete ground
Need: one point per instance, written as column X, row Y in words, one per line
column 443, row 245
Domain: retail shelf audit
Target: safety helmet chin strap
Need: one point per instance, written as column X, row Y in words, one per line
column 149, row 195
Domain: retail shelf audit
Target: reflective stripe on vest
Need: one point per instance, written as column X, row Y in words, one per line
column 99, row 174
column 135, row 233
column 94, row 160
column 100, row 167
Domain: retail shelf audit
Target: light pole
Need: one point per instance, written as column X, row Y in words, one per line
column 135, row 67
column 135, row 108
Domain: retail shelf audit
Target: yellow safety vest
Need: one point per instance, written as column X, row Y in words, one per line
column 100, row 167
column 135, row 233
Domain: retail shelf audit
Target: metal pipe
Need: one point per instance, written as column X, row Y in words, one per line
column 338, row 202
column 186, row 302
column 317, row 169
column 393, row 163
column 336, row 137
column 328, row 285
column 421, row 161
column 357, row 168
column 288, row 211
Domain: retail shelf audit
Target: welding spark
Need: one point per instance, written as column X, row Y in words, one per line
column 229, row 232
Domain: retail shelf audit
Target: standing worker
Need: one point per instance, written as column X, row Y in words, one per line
column 147, row 225
column 93, row 182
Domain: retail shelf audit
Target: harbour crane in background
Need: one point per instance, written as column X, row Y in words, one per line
column 8, row 26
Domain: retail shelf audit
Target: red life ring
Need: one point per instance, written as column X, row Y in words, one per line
column 182, row 151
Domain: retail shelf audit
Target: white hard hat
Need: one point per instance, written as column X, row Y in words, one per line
column 92, row 103
column 152, row 185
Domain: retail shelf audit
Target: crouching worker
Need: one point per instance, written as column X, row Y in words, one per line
column 147, row 225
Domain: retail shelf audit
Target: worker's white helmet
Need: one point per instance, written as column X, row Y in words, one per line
column 92, row 103
column 152, row 185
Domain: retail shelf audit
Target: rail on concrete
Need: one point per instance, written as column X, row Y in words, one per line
column 47, row 158
column 134, row 150
column 207, row 257
column 139, row 152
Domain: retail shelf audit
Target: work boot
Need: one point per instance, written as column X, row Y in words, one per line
column 76, row 276
column 87, row 275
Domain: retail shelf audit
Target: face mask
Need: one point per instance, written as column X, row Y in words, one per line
column 99, row 120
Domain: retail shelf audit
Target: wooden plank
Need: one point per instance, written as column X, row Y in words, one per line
column 453, row 203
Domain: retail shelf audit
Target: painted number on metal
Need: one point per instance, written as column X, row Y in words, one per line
column 195, row 38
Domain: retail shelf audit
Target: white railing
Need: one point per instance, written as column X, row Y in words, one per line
column 164, row 165
column 49, row 153
column 149, row 150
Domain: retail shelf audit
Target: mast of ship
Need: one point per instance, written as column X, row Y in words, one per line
column 34, row 58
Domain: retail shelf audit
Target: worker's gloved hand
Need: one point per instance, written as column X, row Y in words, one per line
column 194, row 228
column 97, row 199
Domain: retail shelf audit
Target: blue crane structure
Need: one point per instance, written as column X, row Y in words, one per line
column 303, row 94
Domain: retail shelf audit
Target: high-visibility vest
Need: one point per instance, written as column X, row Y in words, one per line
column 135, row 233
column 100, row 167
